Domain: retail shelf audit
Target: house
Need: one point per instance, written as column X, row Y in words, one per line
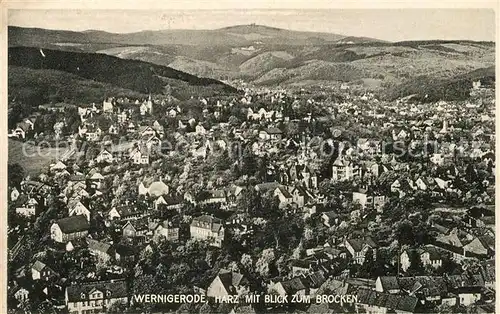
column 125, row 212
column 96, row 180
column 105, row 156
column 475, row 247
column 165, row 230
column 420, row 184
column 330, row 218
column 14, row 194
column 69, row 228
column 395, row 186
column 369, row 199
column 59, row 166
column 131, row 128
column 122, row 117
column 283, row 195
column 343, row 170
column 309, row 178
column 160, row 130
column 208, row 228
column 299, row 285
column 159, row 202
column 302, row 266
column 388, row 284
column 40, row 271
column 148, row 142
column 103, row 251
column 21, row 295
column 135, row 229
column 113, row 129
column 370, row 301
column 429, row 255
column 143, row 109
column 78, row 208
column 107, row 105
column 359, row 247
column 437, row 159
column 28, row 209
column 94, row 297
column 146, row 131
column 266, row 186
column 469, row 295
column 301, row 196
column 214, row 197
column 21, row 130
column 200, row 129
column 425, row 288
column 270, row 134
column 93, row 133
column 76, row 243
column 125, row 253
column 169, row 202
column 140, row 156
column 227, row 283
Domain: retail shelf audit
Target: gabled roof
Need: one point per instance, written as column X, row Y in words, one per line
column 59, row 165
column 73, row 224
column 231, row 280
column 217, row 194
column 24, row 126
column 77, row 177
column 389, row 283
column 110, row 289
column 97, row 176
column 293, row 285
column 207, row 222
column 273, row 130
column 284, row 191
column 434, row 254
column 126, row 210
column 99, row 246
column 359, row 244
column 395, row 302
column 266, row 186
column 38, row 266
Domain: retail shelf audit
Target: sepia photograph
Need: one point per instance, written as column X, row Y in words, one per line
column 260, row 160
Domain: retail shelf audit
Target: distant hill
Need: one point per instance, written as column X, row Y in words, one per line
column 233, row 36
column 37, row 87
column 268, row 56
column 127, row 74
column 427, row 88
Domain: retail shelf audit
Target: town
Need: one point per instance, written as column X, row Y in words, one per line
column 273, row 192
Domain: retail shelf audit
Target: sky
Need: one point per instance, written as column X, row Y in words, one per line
column 385, row 24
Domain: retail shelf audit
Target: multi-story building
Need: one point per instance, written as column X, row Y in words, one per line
column 208, row 228
column 95, row 297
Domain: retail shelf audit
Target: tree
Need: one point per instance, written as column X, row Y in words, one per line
column 291, row 129
column 249, row 202
column 404, row 233
column 367, row 268
column 262, row 265
column 15, row 174
column 248, row 162
column 416, row 266
column 234, row 121
column 246, row 261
